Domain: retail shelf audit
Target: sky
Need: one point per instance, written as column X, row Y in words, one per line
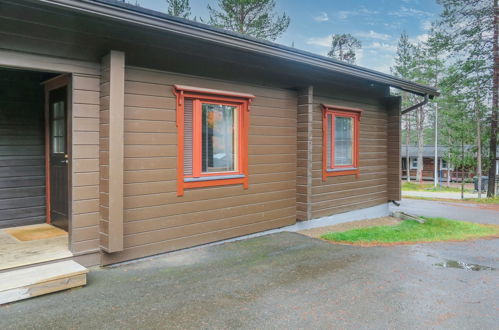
column 376, row 23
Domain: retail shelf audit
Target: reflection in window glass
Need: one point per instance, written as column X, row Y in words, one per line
column 219, row 141
column 343, row 141
column 58, row 131
column 328, row 139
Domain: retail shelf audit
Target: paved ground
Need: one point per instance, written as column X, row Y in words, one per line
column 481, row 213
column 283, row 280
column 440, row 194
column 288, row 280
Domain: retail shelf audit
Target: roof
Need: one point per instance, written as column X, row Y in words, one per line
column 115, row 10
column 428, row 150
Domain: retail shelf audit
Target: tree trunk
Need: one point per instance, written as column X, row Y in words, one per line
column 407, row 142
column 479, row 152
column 420, row 128
column 462, row 170
column 435, row 170
column 448, row 174
column 495, row 105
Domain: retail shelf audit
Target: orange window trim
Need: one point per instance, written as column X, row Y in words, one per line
column 203, row 95
column 338, row 111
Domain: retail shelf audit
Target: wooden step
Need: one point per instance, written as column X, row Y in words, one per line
column 39, row 280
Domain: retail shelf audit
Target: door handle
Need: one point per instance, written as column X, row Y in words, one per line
column 64, row 161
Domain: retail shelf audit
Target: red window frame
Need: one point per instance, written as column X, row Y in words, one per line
column 199, row 96
column 337, row 111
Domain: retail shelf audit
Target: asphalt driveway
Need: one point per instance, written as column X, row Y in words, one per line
column 480, row 213
column 277, row 281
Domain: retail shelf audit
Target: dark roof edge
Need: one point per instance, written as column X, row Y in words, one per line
column 160, row 21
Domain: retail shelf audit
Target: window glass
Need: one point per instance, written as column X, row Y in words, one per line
column 415, row 163
column 219, row 144
column 328, row 139
column 343, row 141
column 58, row 128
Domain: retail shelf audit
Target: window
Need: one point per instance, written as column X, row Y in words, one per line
column 341, row 141
column 444, row 165
column 414, row 163
column 58, row 130
column 212, row 137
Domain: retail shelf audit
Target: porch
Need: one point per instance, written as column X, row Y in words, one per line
column 35, row 256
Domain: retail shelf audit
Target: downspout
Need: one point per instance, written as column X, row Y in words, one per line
column 415, row 106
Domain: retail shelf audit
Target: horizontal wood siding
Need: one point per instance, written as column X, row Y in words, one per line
column 157, row 220
column 393, row 143
column 84, row 233
column 346, row 193
column 304, row 154
column 22, row 161
column 104, row 153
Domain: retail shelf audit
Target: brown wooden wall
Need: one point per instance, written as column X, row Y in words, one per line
column 22, row 147
column 304, row 154
column 155, row 219
column 346, row 193
column 393, row 143
column 104, row 153
column 84, row 230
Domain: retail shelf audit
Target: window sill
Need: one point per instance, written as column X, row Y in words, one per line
column 212, row 181
column 340, row 172
column 342, row 169
column 213, row 178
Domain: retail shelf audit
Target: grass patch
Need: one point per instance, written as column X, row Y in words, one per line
column 433, row 230
column 410, row 186
column 487, row 200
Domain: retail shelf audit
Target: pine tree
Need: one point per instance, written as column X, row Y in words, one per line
column 470, row 30
column 457, row 121
column 179, row 8
column 344, row 48
column 255, row 18
column 409, row 65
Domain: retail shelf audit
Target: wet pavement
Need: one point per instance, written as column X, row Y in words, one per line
column 480, row 213
column 283, row 280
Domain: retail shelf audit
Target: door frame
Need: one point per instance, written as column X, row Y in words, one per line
column 50, row 85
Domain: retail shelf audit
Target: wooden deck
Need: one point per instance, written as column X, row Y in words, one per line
column 15, row 253
column 39, row 280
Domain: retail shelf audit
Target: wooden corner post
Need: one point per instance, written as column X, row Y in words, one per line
column 112, row 151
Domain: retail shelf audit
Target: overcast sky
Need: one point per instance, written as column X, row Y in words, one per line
column 378, row 24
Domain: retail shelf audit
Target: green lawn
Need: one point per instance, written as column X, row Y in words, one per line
column 434, row 229
column 410, row 186
column 486, row 200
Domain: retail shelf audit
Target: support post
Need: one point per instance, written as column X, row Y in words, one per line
column 112, row 151
column 304, row 153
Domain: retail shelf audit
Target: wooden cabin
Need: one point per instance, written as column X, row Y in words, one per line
column 133, row 133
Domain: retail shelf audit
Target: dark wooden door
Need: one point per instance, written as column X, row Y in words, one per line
column 58, row 151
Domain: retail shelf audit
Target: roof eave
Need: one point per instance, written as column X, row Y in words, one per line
column 182, row 27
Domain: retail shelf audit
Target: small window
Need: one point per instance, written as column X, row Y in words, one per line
column 444, row 164
column 414, row 163
column 212, row 137
column 341, row 141
column 58, row 130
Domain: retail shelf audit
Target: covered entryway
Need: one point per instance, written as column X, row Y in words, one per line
column 34, row 200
